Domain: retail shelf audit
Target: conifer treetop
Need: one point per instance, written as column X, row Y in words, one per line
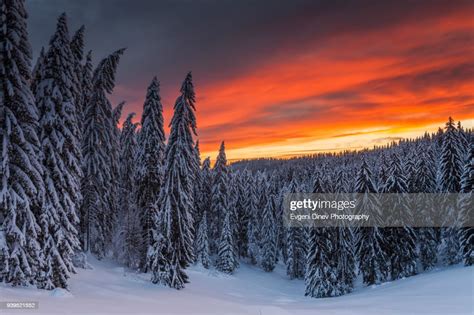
column 77, row 43
column 104, row 74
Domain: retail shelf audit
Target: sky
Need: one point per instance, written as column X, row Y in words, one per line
column 285, row 78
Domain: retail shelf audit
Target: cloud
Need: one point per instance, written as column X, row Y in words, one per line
column 296, row 70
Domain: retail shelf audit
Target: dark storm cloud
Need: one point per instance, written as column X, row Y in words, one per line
column 215, row 39
column 260, row 66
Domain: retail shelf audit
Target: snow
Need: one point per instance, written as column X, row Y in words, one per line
column 111, row 289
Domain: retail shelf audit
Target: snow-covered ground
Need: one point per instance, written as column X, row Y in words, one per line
column 111, row 289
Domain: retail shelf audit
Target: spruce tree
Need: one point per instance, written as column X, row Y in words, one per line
column 344, row 242
column 61, row 158
column 219, row 197
column 321, row 277
column 202, row 243
column 20, row 167
column 98, row 142
column 204, row 191
column 451, row 170
column 242, row 215
column 77, row 50
column 466, row 206
column 197, row 185
column 401, row 240
column 295, row 245
column 269, row 245
column 253, row 233
column 158, row 257
column 176, row 196
column 326, row 274
column 425, row 182
column 451, row 159
column 86, row 83
column 149, row 160
column 129, row 238
column 227, row 260
column 371, row 246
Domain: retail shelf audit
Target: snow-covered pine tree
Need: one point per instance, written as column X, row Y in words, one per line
column 253, row 233
column 269, row 230
column 344, row 243
column 242, row 214
column 321, row 276
column 86, row 83
column 219, row 198
column 115, row 163
column 425, row 182
column 467, row 187
column 227, row 260
column 128, row 238
column 371, row 247
column 232, row 200
column 61, row 158
column 205, row 190
column 97, row 151
column 324, row 274
column 77, row 49
column 20, row 167
column 197, row 185
column 451, row 170
column 295, row 245
column 401, row 240
column 202, row 243
column 176, row 196
column 159, row 255
column 149, row 161
column 451, row 160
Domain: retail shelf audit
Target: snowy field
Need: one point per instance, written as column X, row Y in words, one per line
column 110, row 289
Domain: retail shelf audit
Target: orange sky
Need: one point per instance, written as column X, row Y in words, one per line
column 348, row 91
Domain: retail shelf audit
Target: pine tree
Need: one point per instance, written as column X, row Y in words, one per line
column 371, row 247
column 202, row 243
column 295, row 245
column 226, row 257
column 20, row 167
column 150, row 158
column 321, row 277
column 129, row 238
column 197, row 185
column 269, row 249
column 253, row 233
column 176, row 196
column 61, row 159
column 401, row 240
column 425, row 182
column 466, row 206
column 158, row 258
column 451, row 160
column 242, row 215
column 451, row 170
column 344, row 242
column 86, row 83
column 219, row 197
column 77, row 50
column 205, row 191
column 97, row 150
column 329, row 255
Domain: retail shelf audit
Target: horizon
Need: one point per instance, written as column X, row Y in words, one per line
column 312, row 76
